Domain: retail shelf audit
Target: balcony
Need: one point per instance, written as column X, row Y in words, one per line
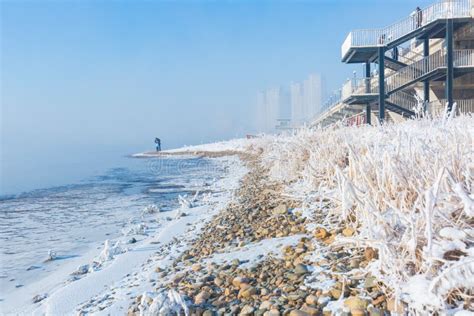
column 359, row 91
column 438, row 108
column 361, row 45
column 432, row 67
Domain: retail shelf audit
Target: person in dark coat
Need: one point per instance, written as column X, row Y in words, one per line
column 395, row 53
column 419, row 17
column 158, row 144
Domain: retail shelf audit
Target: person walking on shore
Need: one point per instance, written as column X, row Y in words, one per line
column 158, row 144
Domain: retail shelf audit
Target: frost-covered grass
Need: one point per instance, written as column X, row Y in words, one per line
column 407, row 189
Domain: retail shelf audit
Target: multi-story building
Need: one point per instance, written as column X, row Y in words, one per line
column 306, row 99
column 312, row 95
column 422, row 64
column 272, row 107
column 296, row 101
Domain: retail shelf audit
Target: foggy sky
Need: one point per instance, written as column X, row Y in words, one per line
column 109, row 76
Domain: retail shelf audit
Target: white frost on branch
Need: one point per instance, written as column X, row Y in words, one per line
column 408, row 188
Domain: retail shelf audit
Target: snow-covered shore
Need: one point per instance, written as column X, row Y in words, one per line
column 105, row 281
column 397, row 199
column 347, row 219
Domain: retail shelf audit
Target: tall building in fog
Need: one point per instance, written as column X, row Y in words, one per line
column 272, row 105
column 312, row 95
column 306, row 99
column 296, row 101
column 300, row 104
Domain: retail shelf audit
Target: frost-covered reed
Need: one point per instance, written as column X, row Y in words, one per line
column 407, row 189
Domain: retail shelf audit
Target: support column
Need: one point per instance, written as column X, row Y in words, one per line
column 368, row 113
column 381, row 84
column 426, row 83
column 449, row 64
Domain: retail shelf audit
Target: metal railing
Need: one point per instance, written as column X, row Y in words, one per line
column 438, row 107
column 416, row 70
column 333, row 100
column 357, row 87
column 463, row 58
column 447, row 9
column 411, row 73
column 403, row 99
column 406, row 75
column 410, row 56
column 355, row 120
column 465, row 106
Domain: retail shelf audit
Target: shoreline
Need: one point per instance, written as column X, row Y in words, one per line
column 298, row 227
column 256, row 257
column 342, row 244
column 56, row 297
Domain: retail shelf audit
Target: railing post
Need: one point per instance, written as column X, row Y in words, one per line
column 426, row 83
column 381, row 61
column 449, row 64
column 367, row 90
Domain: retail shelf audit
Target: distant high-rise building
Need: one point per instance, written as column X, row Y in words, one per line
column 312, row 96
column 300, row 105
column 296, row 100
column 272, row 105
column 306, row 99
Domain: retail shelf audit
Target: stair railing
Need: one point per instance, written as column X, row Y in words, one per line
column 416, row 70
column 383, row 36
column 403, row 99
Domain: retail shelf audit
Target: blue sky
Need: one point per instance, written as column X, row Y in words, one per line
column 112, row 75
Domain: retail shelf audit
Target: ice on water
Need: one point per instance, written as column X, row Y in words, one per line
column 63, row 223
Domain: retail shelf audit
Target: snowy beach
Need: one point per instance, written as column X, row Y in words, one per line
column 137, row 213
column 342, row 221
column 359, row 220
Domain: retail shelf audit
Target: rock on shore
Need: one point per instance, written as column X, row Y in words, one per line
column 310, row 277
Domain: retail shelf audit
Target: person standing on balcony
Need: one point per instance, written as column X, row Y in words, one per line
column 417, row 17
column 382, row 39
column 395, row 53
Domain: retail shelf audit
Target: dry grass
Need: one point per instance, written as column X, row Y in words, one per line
column 398, row 186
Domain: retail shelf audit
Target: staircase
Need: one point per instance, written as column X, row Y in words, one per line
column 402, row 60
column 402, row 103
column 403, row 30
column 428, row 68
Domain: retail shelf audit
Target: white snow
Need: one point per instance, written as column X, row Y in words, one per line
column 251, row 254
column 408, row 188
column 452, row 233
column 105, row 281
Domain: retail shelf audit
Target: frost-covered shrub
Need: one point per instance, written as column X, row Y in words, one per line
column 109, row 252
column 162, row 304
column 135, row 229
column 150, row 209
column 407, row 189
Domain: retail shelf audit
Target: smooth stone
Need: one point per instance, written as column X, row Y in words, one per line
column 311, row 311
column 311, row 300
column 202, row 297
column 280, row 210
column 247, row 310
column 300, row 269
column 355, row 303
